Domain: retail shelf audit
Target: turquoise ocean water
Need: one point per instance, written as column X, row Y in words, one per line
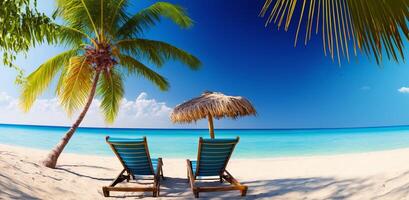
column 171, row 143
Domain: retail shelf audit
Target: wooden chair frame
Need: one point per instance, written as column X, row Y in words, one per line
column 223, row 176
column 126, row 174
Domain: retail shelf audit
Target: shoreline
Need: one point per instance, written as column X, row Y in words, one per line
column 242, row 158
column 374, row 175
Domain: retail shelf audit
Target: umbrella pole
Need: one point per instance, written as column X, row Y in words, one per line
column 211, row 128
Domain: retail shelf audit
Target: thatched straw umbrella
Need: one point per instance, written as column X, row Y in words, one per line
column 212, row 105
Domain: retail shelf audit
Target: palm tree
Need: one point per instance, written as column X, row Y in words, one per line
column 371, row 26
column 104, row 44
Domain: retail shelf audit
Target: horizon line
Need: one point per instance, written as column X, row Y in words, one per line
column 123, row 128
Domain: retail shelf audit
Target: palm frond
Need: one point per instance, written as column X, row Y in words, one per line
column 39, row 80
column 133, row 66
column 158, row 52
column 60, row 83
column 71, row 36
column 377, row 26
column 79, row 14
column 148, row 17
column 371, row 26
column 111, row 90
column 119, row 15
column 76, row 84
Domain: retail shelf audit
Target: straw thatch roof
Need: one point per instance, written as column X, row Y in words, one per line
column 216, row 104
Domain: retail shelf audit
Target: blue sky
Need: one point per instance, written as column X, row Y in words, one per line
column 290, row 87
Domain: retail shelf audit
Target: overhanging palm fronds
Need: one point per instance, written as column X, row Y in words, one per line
column 379, row 26
column 372, row 26
column 23, row 27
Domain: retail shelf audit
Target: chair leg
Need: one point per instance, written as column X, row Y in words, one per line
column 158, row 189
column 187, row 175
column 161, row 174
column 243, row 192
column 105, row 192
column 191, row 179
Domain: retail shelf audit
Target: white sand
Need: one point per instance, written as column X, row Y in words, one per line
column 376, row 175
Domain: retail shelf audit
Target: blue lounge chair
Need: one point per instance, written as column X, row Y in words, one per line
column 134, row 157
column 212, row 159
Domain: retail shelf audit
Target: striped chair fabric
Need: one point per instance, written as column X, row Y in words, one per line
column 213, row 156
column 134, row 155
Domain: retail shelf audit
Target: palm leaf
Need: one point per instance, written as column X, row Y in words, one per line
column 60, row 83
column 116, row 16
column 111, row 90
column 79, row 14
column 158, row 52
column 148, row 17
column 372, row 26
column 377, row 25
column 76, row 84
column 39, row 80
column 135, row 67
column 71, row 36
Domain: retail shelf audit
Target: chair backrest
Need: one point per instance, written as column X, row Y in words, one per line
column 213, row 156
column 133, row 154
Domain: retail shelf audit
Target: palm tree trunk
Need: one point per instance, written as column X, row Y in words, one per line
column 51, row 160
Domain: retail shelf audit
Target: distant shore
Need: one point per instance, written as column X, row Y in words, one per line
column 374, row 175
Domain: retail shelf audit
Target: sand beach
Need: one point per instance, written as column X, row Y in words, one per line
column 375, row 175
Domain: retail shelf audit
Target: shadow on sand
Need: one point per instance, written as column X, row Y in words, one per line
column 339, row 189
column 83, row 175
column 8, row 189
